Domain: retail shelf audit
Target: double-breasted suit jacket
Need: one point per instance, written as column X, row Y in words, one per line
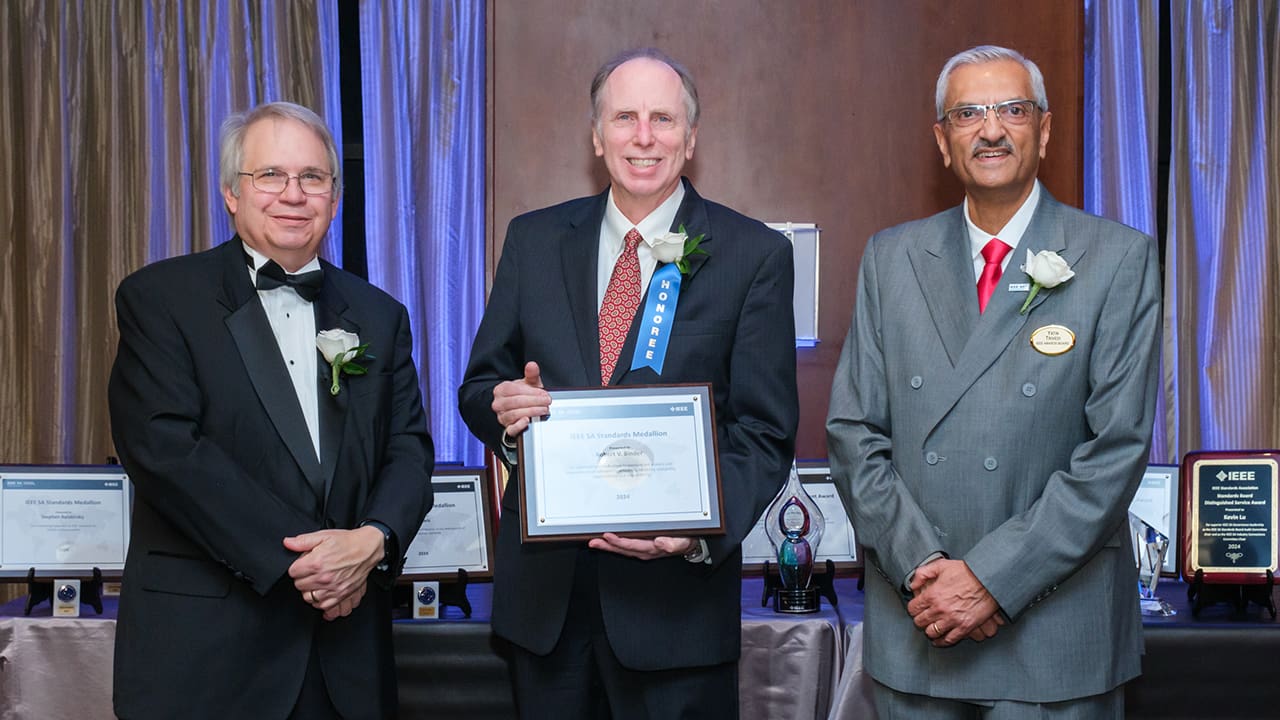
column 948, row 431
column 209, row 428
column 733, row 328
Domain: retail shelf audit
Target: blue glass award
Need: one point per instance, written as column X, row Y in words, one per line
column 794, row 525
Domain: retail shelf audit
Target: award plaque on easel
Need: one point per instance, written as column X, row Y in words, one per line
column 1230, row 515
column 1230, row 525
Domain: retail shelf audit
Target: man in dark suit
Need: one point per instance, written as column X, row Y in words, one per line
column 990, row 423
column 274, row 496
column 653, row 624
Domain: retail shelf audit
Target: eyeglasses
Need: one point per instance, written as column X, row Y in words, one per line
column 1010, row 112
column 311, row 182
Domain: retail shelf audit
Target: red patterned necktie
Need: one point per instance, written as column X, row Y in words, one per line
column 993, row 252
column 621, row 299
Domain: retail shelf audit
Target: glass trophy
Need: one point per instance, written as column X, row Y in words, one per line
column 794, row 525
column 1149, row 547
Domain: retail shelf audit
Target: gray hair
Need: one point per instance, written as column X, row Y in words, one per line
column 231, row 140
column 691, row 107
column 985, row 54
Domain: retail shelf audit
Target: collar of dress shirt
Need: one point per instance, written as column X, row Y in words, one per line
column 616, row 225
column 1010, row 234
column 259, row 260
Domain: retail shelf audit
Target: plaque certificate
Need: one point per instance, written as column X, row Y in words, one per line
column 638, row 461
column 63, row 520
column 456, row 534
column 839, row 543
column 1230, row 533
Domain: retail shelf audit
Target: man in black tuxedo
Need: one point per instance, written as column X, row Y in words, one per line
column 652, row 625
column 273, row 496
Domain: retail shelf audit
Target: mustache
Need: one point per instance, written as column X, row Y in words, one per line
column 984, row 144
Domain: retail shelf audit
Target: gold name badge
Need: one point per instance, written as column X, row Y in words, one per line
column 1053, row 339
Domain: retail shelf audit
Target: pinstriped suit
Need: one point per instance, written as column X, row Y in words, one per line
column 948, row 431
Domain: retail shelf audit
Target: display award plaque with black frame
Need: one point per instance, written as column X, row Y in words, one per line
column 63, row 520
column 637, row 461
column 1229, row 517
column 457, row 535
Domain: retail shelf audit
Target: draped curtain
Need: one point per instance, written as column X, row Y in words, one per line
column 423, row 89
column 110, row 111
column 1122, row 74
column 1222, row 301
column 1224, row 224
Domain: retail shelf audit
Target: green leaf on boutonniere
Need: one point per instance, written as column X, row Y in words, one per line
column 690, row 249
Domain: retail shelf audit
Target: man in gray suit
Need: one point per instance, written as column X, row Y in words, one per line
column 987, row 444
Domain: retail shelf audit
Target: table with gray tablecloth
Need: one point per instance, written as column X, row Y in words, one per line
column 791, row 665
column 1220, row 664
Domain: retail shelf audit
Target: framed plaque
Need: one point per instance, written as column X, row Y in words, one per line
column 839, row 544
column 63, row 520
column 1229, row 517
column 458, row 533
column 1156, row 503
column 638, row 461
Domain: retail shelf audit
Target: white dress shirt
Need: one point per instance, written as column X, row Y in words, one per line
column 293, row 322
column 1010, row 234
column 614, row 229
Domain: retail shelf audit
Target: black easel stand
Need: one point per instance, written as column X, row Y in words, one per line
column 455, row 594
column 38, row 592
column 1239, row 596
column 823, row 583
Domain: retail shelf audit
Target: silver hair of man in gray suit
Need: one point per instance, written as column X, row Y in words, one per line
column 986, row 54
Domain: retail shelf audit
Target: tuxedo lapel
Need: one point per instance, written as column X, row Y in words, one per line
column 1002, row 322
column 942, row 268
column 257, row 346
column 579, row 258
column 332, row 313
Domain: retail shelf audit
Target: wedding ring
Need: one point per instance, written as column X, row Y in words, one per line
column 312, row 599
column 936, row 631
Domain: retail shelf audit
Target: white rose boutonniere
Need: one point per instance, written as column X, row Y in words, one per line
column 676, row 247
column 1047, row 270
column 340, row 349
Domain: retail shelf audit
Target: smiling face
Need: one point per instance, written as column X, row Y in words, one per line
column 996, row 163
column 643, row 134
column 286, row 226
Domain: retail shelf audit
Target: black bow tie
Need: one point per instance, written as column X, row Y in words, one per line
column 307, row 284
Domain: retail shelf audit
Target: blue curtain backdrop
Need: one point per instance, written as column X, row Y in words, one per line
column 1222, row 263
column 423, row 89
column 1121, row 106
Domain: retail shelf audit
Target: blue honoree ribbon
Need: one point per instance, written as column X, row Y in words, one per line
column 659, row 314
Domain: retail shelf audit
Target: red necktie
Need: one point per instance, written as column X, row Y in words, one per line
column 621, row 299
column 993, row 252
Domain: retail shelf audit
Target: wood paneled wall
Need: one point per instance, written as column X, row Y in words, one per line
column 812, row 111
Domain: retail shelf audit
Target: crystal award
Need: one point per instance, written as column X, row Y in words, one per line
column 1149, row 547
column 794, row 525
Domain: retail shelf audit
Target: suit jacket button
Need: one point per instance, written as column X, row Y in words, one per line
column 931, row 457
column 990, row 463
column 916, row 381
column 1029, row 389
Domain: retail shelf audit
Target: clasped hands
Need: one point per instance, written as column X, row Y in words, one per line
column 951, row 604
column 333, row 566
column 515, row 404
